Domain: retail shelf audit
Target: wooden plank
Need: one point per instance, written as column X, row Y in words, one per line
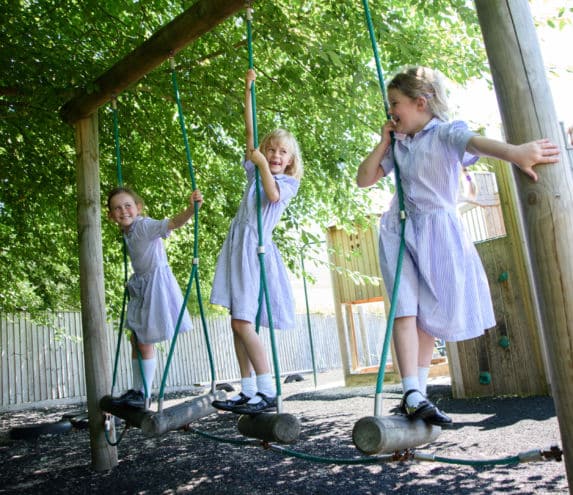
column 351, row 334
column 18, row 363
column 199, row 19
column 6, row 361
column 28, row 368
column 79, row 384
column 3, row 359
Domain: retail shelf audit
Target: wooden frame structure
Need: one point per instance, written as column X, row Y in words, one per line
column 527, row 112
column 81, row 111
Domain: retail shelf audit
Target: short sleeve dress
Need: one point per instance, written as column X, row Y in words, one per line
column 236, row 283
column 155, row 298
column 443, row 282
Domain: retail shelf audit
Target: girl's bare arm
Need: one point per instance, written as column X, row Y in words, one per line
column 525, row 156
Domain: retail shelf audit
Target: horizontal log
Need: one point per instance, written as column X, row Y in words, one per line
column 282, row 428
column 153, row 423
column 131, row 415
column 180, row 415
column 389, row 434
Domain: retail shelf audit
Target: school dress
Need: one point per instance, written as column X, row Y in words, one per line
column 236, row 284
column 442, row 282
column 155, row 298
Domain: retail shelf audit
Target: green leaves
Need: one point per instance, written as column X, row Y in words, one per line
column 315, row 77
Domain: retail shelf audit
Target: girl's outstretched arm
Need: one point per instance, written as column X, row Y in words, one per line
column 370, row 171
column 250, row 136
column 525, row 156
column 183, row 217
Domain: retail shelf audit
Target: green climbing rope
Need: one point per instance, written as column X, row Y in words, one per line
column 261, row 246
column 194, row 276
column 125, row 261
column 394, row 298
column 308, row 324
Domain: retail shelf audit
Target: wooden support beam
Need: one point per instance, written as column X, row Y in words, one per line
column 281, row 427
column 389, row 434
column 199, row 19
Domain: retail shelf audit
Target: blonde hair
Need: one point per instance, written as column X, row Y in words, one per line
column 421, row 81
column 295, row 169
column 119, row 190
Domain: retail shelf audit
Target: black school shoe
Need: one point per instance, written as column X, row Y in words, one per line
column 425, row 410
column 439, row 418
column 422, row 410
column 231, row 404
column 265, row 404
column 132, row 398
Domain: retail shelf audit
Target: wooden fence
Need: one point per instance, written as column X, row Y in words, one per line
column 43, row 365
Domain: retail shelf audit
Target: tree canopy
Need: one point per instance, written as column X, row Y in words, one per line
column 316, row 77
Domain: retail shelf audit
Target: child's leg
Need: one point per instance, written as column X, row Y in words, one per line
column 407, row 352
column 425, row 353
column 248, row 380
column 134, row 397
column 255, row 352
column 405, row 337
column 148, row 363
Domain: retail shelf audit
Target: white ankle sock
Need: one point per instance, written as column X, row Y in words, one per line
column 149, row 366
column 412, row 383
column 137, row 380
column 423, row 373
column 265, row 385
column 249, row 386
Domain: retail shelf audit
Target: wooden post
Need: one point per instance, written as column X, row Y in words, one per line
column 97, row 359
column 528, row 113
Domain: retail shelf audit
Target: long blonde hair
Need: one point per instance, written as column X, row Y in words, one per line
column 421, row 81
column 295, row 169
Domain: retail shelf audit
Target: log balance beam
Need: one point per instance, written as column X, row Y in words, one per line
column 154, row 423
column 389, row 434
column 281, row 427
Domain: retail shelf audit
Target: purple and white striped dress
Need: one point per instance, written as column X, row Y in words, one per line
column 236, row 284
column 155, row 298
column 443, row 282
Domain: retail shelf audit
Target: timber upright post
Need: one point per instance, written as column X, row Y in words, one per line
column 528, row 113
column 81, row 111
column 96, row 350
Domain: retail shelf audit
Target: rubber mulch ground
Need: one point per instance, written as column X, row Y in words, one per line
column 185, row 462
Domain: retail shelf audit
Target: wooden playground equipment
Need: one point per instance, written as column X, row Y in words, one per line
column 528, row 113
column 509, row 358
